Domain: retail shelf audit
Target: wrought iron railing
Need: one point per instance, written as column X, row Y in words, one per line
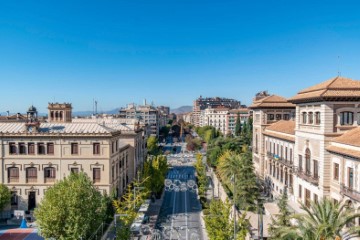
column 350, row 192
column 307, row 176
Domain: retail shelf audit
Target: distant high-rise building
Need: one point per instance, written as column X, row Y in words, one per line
column 211, row 102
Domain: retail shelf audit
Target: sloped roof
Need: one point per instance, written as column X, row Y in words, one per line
column 239, row 110
column 283, row 126
column 63, row 128
column 335, row 88
column 344, row 151
column 351, row 137
column 272, row 101
column 282, row 129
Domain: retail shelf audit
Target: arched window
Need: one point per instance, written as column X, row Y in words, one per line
column 31, row 174
column 308, row 161
column 346, row 118
column 304, row 117
column 311, row 118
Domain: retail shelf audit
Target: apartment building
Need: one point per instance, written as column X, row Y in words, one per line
column 147, row 115
column 319, row 151
column 35, row 154
column 243, row 113
column 211, row 102
column 215, row 117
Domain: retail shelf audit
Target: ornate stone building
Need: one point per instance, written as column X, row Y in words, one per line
column 34, row 155
column 320, row 149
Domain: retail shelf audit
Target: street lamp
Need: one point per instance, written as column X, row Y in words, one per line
column 135, row 194
column 234, row 202
column 118, row 215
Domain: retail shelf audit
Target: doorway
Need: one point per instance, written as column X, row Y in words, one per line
column 31, row 201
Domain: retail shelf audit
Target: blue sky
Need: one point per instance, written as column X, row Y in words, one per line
column 170, row 51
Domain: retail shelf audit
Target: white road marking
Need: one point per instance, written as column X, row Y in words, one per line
column 172, row 217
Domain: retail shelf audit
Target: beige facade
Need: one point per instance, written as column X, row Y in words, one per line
column 35, row 155
column 325, row 143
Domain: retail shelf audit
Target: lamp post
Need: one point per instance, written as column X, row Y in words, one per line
column 234, row 208
column 135, row 194
column 118, row 215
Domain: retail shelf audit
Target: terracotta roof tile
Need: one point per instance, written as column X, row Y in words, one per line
column 280, row 136
column 283, row 126
column 344, row 151
column 351, row 137
column 272, row 101
column 334, row 88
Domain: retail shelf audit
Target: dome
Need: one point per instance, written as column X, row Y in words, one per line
column 32, row 109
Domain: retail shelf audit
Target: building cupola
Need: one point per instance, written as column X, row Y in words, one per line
column 59, row 112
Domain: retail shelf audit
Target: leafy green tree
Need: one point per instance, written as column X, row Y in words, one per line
column 71, row 209
column 324, row 220
column 282, row 219
column 238, row 125
column 219, row 224
column 5, row 196
column 201, row 176
column 155, row 170
column 237, row 171
column 153, row 148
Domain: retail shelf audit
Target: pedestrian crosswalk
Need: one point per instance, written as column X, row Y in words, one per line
column 181, row 176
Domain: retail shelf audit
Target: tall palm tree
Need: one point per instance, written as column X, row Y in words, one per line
column 239, row 168
column 323, row 221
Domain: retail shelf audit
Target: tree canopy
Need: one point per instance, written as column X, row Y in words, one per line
column 71, row 209
column 153, row 148
column 5, row 196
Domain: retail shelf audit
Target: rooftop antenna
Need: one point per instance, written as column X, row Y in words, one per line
column 96, row 107
column 339, row 73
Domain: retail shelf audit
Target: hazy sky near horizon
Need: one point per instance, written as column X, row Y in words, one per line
column 170, row 51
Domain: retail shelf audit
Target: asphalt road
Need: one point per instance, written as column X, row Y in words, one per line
column 179, row 216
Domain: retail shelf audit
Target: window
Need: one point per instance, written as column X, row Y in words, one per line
column 96, row 175
column 31, row 148
column 41, row 148
column 300, row 163
column 300, row 191
column 286, row 116
column 307, row 161
column 12, row 148
column 31, row 174
column 271, row 117
column 304, row 115
column 307, row 197
column 291, row 157
column 278, row 117
column 346, row 118
column 49, row 174
column 336, row 171
column 14, row 199
column 286, row 153
column 350, row 178
column 317, row 118
column 13, row 174
column 311, row 118
column 316, row 169
column 74, row 170
column 113, row 173
column 96, row 148
column 74, row 148
column 316, row 199
column 50, row 148
column 358, row 121
column 22, row 148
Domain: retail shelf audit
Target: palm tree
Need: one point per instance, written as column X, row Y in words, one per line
column 239, row 167
column 323, row 221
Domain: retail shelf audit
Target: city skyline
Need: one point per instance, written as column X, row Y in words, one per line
column 125, row 52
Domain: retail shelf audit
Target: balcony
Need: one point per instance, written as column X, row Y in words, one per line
column 31, row 179
column 349, row 192
column 13, row 179
column 307, row 176
column 49, row 180
column 283, row 161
